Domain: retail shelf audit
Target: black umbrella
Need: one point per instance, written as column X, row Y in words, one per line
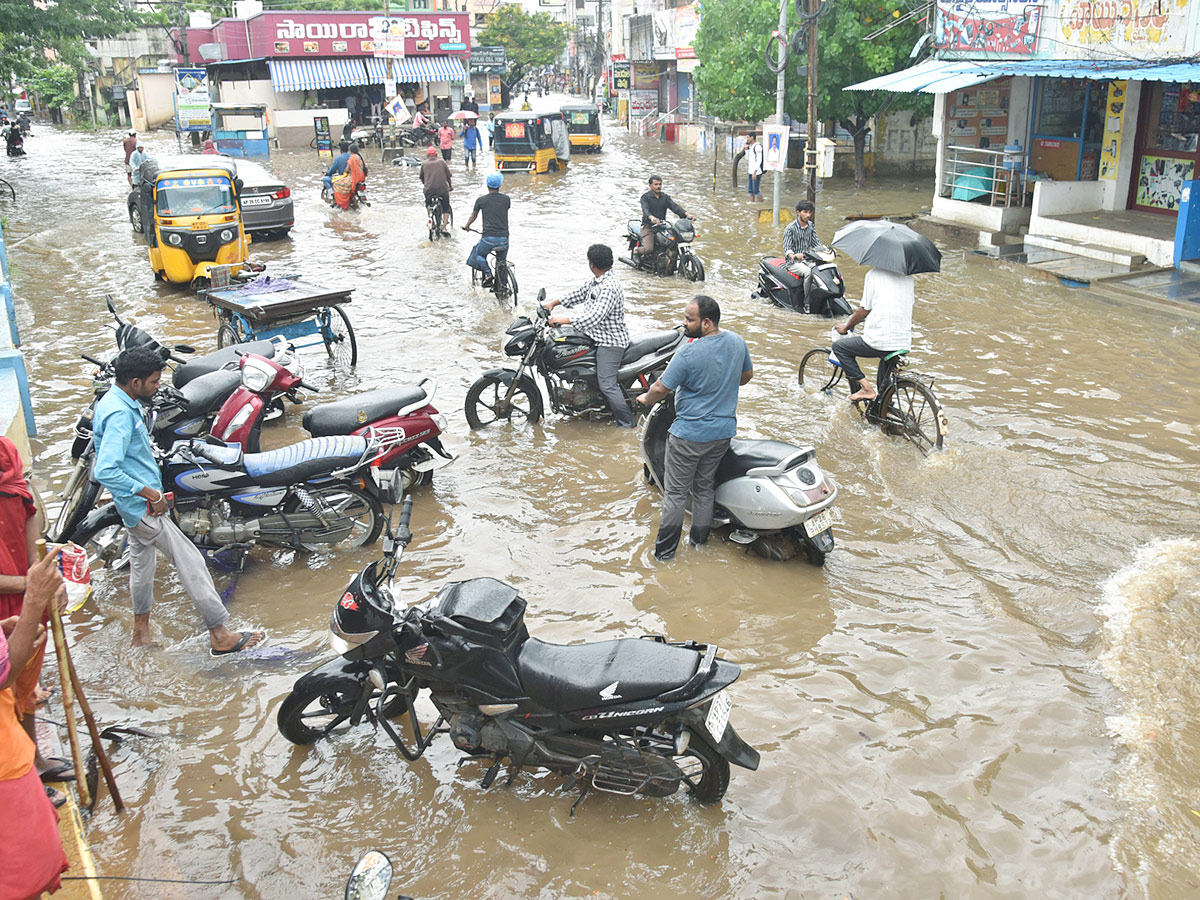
column 888, row 245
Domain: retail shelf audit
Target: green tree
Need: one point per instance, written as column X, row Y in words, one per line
column 734, row 82
column 55, row 85
column 532, row 40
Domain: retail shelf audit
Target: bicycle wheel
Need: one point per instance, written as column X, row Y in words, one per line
column 339, row 338
column 505, row 285
column 817, row 374
column 909, row 408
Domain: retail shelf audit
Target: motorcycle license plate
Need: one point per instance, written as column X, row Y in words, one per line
column 822, row 521
column 718, row 715
column 256, row 201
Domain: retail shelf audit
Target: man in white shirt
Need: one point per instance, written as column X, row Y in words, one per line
column 754, row 166
column 887, row 303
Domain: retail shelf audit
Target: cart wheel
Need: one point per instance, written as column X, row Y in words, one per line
column 226, row 336
column 339, row 338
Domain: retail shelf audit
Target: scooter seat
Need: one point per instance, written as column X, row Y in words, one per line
column 305, row 460
column 345, row 416
column 744, row 455
column 641, row 344
column 779, row 268
column 218, row 359
column 206, row 393
column 566, row 678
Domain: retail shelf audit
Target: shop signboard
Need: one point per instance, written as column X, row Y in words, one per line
column 646, row 76
column 494, row 91
column 622, row 74
column 664, row 34
column 687, row 23
column 192, row 100
column 643, row 103
column 994, row 26
column 1137, row 29
column 324, row 140
column 351, row 34
column 489, row 60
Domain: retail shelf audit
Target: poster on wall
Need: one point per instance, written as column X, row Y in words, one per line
column 977, row 116
column 1114, row 117
column 994, row 26
column 1160, row 182
column 192, row 100
column 643, row 103
column 1138, row 28
column 687, row 23
column 775, row 142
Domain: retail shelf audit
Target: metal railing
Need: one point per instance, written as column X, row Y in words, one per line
column 970, row 173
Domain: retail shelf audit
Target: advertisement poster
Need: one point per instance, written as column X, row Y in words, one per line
column 664, row 34
column 494, row 90
column 1114, row 118
column 977, row 116
column 687, row 23
column 1160, row 182
column 645, row 76
column 1137, row 28
column 775, row 143
column 192, row 100
column 994, row 26
column 324, row 141
column 643, row 103
column 387, row 37
column 622, row 75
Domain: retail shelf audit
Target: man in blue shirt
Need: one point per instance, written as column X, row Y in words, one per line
column 126, row 466
column 338, row 166
column 705, row 376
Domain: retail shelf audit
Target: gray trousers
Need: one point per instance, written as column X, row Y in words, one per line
column 608, row 361
column 846, row 349
column 156, row 533
column 690, row 469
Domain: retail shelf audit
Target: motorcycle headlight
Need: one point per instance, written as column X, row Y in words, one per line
column 256, row 375
column 175, row 240
column 340, row 645
column 226, row 235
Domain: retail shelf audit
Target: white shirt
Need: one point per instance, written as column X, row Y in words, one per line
column 889, row 297
column 754, row 159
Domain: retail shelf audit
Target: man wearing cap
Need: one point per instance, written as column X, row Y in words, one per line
column 435, row 175
column 494, row 206
column 130, row 144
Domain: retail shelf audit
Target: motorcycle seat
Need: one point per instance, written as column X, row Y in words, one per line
column 779, row 268
column 345, row 416
column 635, row 227
column 218, row 359
column 206, row 393
column 641, row 344
column 744, row 456
column 307, row 459
column 564, row 678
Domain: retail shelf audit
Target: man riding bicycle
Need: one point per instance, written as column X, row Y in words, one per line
column 887, row 304
column 654, row 211
column 494, row 206
column 435, row 175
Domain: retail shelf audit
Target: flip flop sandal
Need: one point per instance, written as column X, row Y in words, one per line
column 63, row 770
column 240, row 645
column 58, row 798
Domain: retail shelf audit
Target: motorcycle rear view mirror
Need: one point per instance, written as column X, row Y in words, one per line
column 184, row 348
column 371, row 878
column 541, row 295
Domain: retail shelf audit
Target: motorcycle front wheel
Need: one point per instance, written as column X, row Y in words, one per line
column 317, row 711
column 485, row 402
column 80, row 502
column 361, row 508
column 691, row 268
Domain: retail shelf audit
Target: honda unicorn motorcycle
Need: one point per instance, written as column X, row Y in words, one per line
column 632, row 716
column 782, row 283
column 671, row 254
column 773, row 494
column 313, row 495
column 566, row 360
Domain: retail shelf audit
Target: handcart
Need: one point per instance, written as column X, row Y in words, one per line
column 303, row 313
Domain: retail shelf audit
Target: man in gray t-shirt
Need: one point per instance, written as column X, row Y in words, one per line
column 705, row 376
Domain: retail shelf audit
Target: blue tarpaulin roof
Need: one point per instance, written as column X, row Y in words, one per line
column 413, row 69
column 940, row 76
column 311, row 74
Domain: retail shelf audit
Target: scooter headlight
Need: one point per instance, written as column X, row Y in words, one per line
column 256, row 375
column 175, row 240
column 226, row 235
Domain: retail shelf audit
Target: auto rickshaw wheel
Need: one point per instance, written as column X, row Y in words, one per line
column 553, row 167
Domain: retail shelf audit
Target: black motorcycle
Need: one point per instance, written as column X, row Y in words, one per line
column 632, row 716
column 566, row 360
column 14, row 143
column 671, row 254
column 419, row 137
column 782, row 283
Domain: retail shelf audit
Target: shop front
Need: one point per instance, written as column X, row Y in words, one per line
column 1166, row 153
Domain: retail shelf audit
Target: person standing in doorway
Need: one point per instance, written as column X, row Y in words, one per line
column 754, row 166
column 126, row 466
column 445, row 138
column 705, row 376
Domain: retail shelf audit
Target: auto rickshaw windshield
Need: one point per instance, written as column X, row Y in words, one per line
column 201, row 196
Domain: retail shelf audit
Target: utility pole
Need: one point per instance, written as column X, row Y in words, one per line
column 777, row 196
column 810, row 145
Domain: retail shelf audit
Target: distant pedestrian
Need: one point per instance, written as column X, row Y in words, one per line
column 754, row 166
column 471, row 143
column 491, row 127
column 130, row 144
column 136, row 158
column 445, row 137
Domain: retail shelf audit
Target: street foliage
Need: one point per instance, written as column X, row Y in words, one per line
column 533, row 40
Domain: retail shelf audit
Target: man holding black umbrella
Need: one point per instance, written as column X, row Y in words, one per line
column 887, row 303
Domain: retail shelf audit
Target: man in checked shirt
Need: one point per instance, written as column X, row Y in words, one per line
column 603, row 320
column 799, row 238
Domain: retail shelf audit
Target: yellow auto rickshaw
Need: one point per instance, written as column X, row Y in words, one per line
column 192, row 217
column 583, row 127
column 531, row 142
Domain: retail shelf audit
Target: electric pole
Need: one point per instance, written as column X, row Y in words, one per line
column 777, row 195
column 810, row 145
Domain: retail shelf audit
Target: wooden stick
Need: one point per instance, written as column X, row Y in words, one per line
column 97, row 745
column 68, row 696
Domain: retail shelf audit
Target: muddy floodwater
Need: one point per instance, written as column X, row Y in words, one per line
column 989, row 689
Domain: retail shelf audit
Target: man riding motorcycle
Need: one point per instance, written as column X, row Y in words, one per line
column 654, row 210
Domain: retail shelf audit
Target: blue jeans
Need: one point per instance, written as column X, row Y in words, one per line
column 327, row 182
column 753, row 186
column 478, row 257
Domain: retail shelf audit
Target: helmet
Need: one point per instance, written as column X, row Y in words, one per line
column 430, row 151
column 495, row 180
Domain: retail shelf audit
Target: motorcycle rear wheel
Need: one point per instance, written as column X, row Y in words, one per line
column 75, row 507
column 484, row 400
column 106, row 545
column 353, row 503
column 709, row 782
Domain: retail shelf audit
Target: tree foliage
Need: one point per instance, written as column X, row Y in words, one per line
column 532, row 40
column 55, row 85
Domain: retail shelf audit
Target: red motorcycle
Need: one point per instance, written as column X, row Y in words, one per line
column 265, row 382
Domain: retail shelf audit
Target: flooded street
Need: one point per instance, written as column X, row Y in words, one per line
column 988, row 690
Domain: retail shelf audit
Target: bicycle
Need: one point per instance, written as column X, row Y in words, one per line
column 435, row 213
column 905, row 404
column 504, row 278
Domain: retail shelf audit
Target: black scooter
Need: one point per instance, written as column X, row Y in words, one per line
column 632, row 716
column 15, row 143
column 782, row 283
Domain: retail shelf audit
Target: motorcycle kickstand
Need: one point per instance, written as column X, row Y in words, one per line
column 587, row 789
column 515, row 765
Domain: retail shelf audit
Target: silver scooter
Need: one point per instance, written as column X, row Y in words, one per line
column 773, row 494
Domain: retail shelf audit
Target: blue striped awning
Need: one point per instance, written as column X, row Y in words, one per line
column 414, row 69
column 311, row 74
column 941, row 76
